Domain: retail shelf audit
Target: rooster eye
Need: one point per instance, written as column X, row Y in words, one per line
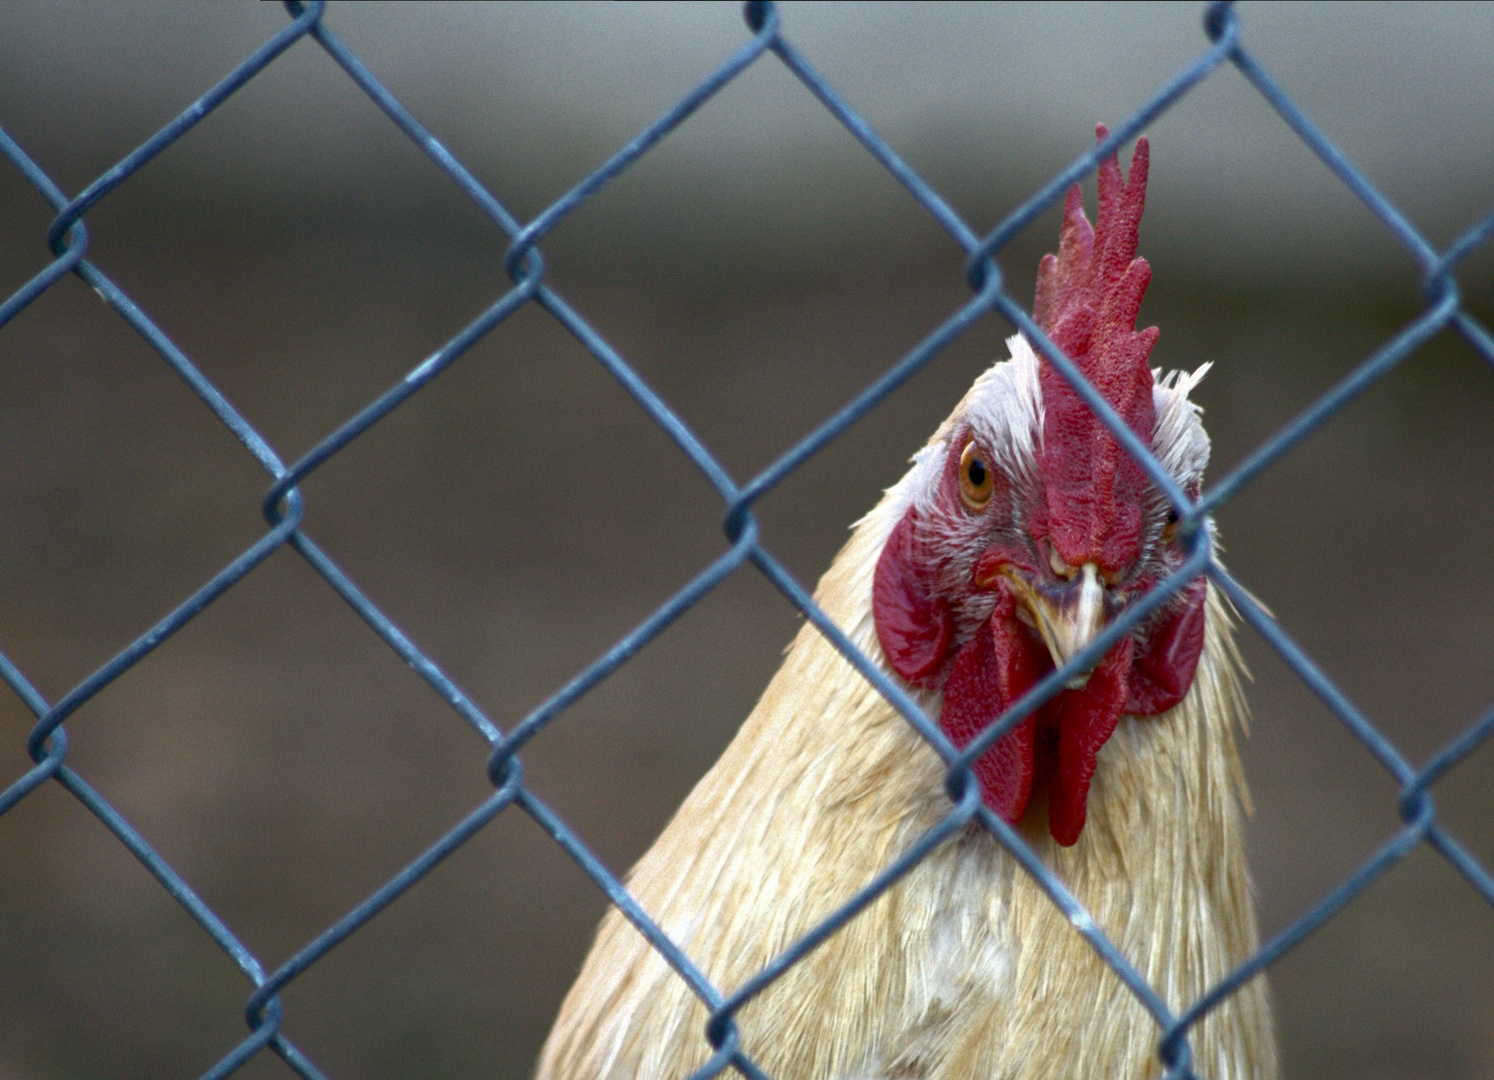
column 975, row 478
column 1170, row 529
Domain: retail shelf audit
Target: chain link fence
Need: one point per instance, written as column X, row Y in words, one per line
column 766, row 40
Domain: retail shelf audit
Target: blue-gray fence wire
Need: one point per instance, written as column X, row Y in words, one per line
column 1223, row 44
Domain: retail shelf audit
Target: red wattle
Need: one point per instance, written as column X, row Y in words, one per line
column 992, row 670
column 1088, row 719
column 1058, row 747
column 1160, row 677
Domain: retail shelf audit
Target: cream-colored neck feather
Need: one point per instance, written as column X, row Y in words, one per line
column 964, row 969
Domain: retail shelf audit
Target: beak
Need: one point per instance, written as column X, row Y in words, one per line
column 1068, row 617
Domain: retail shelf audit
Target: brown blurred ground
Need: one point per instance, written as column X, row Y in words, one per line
column 522, row 513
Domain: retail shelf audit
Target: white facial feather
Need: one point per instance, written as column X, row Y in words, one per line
column 1179, row 439
column 1004, row 409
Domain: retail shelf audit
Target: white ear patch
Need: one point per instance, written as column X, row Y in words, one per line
column 1179, row 439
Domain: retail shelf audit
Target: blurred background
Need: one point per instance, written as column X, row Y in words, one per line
column 521, row 513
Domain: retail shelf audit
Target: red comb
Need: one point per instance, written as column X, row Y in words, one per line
column 1087, row 301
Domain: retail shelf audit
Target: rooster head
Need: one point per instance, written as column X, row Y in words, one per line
column 1025, row 528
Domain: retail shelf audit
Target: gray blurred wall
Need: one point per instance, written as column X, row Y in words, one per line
column 986, row 100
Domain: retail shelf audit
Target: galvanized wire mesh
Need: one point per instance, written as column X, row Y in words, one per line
column 283, row 509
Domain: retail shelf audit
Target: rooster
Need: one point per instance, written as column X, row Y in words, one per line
column 1020, row 532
